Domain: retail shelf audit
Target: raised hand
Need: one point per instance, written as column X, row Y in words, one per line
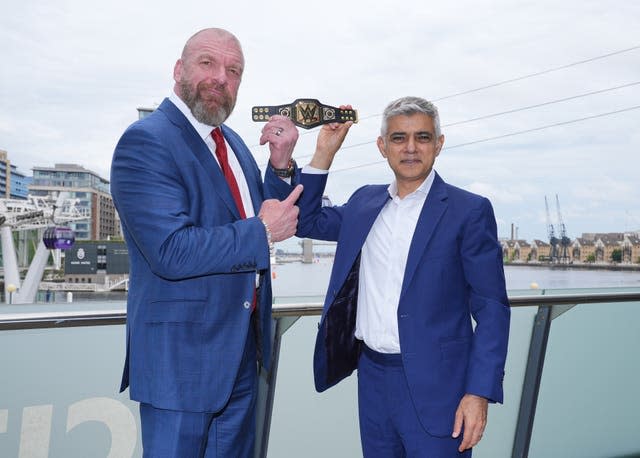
column 329, row 141
column 281, row 217
column 282, row 135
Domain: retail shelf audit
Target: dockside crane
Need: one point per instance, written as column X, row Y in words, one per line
column 564, row 240
column 553, row 240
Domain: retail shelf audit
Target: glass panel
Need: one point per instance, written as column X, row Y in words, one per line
column 589, row 397
column 301, row 415
column 497, row 440
column 60, row 393
column 306, row 423
column 60, row 386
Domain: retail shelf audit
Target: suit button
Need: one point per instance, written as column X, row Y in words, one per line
column 247, row 304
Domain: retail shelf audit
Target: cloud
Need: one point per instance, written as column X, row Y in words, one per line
column 75, row 72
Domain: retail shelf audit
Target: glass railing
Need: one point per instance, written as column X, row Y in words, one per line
column 570, row 387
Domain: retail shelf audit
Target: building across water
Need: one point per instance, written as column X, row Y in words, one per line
column 591, row 248
column 13, row 183
column 92, row 192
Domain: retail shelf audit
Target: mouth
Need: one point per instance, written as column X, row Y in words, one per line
column 213, row 92
column 410, row 161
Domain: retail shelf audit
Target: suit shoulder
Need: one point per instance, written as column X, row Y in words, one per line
column 368, row 191
column 156, row 124
column 147, row 140
column 462, row 195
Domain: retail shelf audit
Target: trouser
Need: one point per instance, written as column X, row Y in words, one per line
column 389, row 424
column 224, row 434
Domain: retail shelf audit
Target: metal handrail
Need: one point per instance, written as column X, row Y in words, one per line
column 548, row 306
column 37, row 320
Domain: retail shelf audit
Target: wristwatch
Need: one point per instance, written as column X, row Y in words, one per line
column 285, row 173
column 305, row 113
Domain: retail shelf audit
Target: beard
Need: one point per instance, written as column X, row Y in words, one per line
column 212, row 110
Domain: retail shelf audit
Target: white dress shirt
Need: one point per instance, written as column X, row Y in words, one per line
column 382, row 265
column 204, row 131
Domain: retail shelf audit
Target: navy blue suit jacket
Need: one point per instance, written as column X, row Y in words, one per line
column 193, row 262
column 454, row 272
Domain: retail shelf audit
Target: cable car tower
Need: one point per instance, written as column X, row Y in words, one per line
column 42, row 214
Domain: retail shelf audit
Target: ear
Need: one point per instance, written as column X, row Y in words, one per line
column 439, row 144
column 177, row 71
column 381, row 147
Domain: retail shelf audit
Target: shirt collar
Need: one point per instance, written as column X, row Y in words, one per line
column 204, row 130
column 422, row 190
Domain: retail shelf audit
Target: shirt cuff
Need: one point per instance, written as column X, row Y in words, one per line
column 313, row 171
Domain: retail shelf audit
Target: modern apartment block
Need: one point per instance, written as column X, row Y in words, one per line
column 13, row 184
column 92, row 192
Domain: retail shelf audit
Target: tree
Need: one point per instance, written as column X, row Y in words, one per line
column 616, row 255
column 591, row 258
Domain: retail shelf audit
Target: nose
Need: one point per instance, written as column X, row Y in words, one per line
column 218, row 74
column 411, row 145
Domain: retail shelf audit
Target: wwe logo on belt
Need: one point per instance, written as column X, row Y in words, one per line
column 307, row 112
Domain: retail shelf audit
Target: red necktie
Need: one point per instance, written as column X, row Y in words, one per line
column 223, row 159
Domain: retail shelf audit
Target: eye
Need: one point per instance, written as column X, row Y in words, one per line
column 423, row 138
column 396, row 138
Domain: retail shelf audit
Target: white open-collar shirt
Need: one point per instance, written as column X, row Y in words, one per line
column 382, row 265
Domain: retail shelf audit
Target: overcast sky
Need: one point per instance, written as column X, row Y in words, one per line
column 74, row 73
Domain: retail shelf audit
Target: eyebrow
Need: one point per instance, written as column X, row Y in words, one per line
column 421, row 132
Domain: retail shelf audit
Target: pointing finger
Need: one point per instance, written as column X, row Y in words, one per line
column 295, row 194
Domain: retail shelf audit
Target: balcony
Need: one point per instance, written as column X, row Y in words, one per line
column 570, row 388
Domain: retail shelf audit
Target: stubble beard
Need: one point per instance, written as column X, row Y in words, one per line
column 201, row 109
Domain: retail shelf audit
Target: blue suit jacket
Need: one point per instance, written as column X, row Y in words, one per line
column 454, row 271
column 193, row 262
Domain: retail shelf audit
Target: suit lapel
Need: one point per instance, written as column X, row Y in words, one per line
column 432, row 211
column 202, row 153
column 361, row 218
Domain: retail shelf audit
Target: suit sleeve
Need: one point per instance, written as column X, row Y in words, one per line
column 483, row 269
column 153, row 203
column 277, row 188
column 315, row 221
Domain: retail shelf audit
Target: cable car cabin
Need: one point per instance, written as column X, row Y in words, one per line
column 58, row 238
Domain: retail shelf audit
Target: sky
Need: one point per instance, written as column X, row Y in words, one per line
column 556, row 85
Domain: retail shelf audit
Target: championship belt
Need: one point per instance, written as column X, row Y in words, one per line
column 306, row 113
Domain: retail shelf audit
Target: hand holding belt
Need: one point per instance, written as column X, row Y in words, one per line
column 305, row 113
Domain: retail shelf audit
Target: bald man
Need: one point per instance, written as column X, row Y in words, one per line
column 199, row 223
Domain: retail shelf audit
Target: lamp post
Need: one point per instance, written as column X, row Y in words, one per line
column 11, row 288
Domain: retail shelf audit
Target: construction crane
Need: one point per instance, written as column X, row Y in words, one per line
column 553, row 240
column 564, row 240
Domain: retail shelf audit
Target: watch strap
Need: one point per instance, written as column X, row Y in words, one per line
column 285, row 173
